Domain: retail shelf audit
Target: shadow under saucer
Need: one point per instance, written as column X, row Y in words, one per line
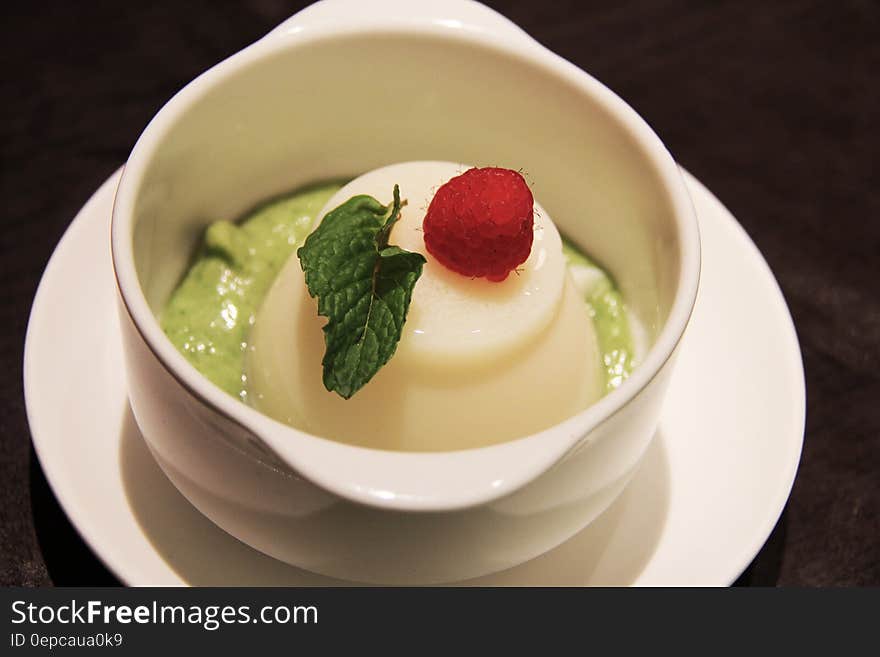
column 69, row 561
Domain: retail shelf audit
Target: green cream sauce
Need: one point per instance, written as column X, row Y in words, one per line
column 608, row 312
column 209, row 315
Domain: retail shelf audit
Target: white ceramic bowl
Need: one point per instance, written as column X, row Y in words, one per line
column 339, row 89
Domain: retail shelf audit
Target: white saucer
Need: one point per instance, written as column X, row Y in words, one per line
column 700, row 508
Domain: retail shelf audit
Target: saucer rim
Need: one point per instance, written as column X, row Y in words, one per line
column 85, row 528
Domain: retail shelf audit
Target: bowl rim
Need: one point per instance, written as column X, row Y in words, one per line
column 410, row 481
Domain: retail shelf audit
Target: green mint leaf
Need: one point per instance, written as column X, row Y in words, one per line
column 363, row 287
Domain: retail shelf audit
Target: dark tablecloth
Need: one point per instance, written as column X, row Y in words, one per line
column 771, row 104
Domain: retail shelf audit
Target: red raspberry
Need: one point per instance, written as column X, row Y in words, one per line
column 481, row 223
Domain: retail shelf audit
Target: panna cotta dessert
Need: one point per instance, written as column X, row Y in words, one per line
column 450, row 316
column 478, row 361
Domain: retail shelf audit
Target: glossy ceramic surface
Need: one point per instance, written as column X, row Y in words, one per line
column 704, row 500
column 241, row 133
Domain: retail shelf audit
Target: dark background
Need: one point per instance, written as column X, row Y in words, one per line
column 772, row 105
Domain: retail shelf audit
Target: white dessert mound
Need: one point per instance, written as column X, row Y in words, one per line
column 478, row 363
